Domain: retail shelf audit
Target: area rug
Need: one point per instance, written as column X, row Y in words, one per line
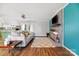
column 43, row 42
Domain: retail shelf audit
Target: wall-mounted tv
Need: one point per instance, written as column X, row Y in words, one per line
column 55, row 19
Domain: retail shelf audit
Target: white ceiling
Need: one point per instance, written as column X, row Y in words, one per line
column 33, row 11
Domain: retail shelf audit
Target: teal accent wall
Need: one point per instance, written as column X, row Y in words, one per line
column 71, row 27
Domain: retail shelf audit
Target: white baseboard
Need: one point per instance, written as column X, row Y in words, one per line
column 70, row 51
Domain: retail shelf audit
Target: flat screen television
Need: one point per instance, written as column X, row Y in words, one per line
column 55, row 19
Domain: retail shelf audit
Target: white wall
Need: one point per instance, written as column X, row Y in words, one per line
column 41, row 28
column 61, row 28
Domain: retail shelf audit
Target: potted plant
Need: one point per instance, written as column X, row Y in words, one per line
column 0, row 35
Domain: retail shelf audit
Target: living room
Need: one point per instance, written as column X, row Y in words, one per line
column 27, row 24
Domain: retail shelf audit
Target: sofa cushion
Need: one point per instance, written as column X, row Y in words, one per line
column 25, row 33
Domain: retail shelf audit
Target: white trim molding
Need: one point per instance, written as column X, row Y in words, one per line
column 70, row 51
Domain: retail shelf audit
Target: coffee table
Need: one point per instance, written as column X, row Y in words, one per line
column 13, row 44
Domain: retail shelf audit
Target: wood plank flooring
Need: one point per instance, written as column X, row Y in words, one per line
column 29, row 51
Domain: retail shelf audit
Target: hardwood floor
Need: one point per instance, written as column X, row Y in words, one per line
column 29, row 51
